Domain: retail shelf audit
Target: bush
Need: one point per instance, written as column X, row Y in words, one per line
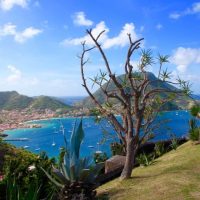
column 145, row 159
column 100, row 157
column 25, row 168
column 194, row 134
column 159, row 149
column 194, row 130
column 117, row 149
column 174, row 142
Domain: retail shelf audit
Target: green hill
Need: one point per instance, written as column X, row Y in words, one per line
column 44, row 102
column 174, row 176
column 181, row 103
column 13, row 100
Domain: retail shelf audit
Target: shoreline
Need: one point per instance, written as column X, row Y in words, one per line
column 24, row 124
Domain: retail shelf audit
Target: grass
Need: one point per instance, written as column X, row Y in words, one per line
column 174, row 176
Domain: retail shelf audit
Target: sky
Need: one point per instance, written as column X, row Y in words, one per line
column 40, row 40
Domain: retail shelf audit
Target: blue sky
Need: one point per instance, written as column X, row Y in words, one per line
column 40, row 40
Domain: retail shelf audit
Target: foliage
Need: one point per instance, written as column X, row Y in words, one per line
column 117, row 148
column 14, row 192
column 195, row 109
column 145, row 159
column 194, row 130
column 25, row 168
column 75, row 176
column 159, row 149
column 100, row 157
column 174, row 142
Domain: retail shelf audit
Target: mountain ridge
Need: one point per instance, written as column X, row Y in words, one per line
column 10, row 100
column 174, row 105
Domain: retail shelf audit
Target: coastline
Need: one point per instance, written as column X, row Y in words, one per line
column 37, row 120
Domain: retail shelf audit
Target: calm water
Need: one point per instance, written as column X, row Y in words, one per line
column 42, row 139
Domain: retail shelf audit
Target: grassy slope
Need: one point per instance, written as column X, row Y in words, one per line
column 174, row 176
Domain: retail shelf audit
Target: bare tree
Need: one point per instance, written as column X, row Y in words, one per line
column 137, row 102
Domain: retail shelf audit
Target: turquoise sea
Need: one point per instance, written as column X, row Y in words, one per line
column 49, row 138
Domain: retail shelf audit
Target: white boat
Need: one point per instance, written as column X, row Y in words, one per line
column 99, row 152
column 90, row 146
column 25, row 147
column 37, row 149
column 53, row 144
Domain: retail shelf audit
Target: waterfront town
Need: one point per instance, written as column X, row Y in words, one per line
column 14, row 119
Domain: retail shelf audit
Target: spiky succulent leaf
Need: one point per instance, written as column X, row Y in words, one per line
column 60, row 176
column 52, row 179
column 65, row 171
column 76, row 140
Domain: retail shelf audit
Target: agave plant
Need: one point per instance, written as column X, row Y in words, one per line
column 75, row 176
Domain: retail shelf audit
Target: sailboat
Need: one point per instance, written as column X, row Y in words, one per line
column 98, row 151
column 53, row 143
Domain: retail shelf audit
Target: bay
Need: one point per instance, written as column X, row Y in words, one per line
column 49, row 138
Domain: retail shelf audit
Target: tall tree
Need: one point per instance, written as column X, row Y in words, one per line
column 137, row 102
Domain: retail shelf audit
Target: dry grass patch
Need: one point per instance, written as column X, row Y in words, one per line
column 174, row 176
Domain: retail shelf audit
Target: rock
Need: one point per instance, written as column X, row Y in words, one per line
column 115, row 162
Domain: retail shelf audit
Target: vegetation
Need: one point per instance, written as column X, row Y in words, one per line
column 100, row 157
column 194, row 131
column 138, row 102
column 76, row 177
column 117, row 148
column 145, row 159
column 13, row 100
column 173, row 176
column 21, row 169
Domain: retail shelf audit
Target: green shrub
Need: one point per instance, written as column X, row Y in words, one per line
column 194, row 130
column 174, row 142
column 159, row 149
column 100, row 157
column 145, row 159
column 25, row 167
column 194, row 134
column 117, row 149
column 195, row 110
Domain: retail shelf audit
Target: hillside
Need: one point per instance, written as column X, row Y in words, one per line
column 178, row 104
column 174, row 176
column 13, row 100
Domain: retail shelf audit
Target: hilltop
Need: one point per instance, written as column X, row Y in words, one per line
column 173, row 176
column 180, row 103
column 13, row 100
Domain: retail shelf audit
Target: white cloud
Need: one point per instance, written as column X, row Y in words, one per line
column 79, row 19
column 15, row 74
column 77, row 41
column 9, row 29
column 120, row 40
column 194, row 9
column 159, row 26
column 184, row 57
column 9, row 4
column 174, row 16
column 28, row 33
